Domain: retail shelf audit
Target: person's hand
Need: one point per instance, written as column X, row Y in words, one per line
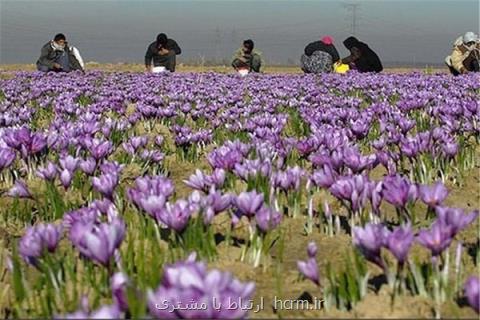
column 57, row 66
column 163, row 51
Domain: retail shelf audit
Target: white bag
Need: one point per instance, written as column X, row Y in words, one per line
column 159, row 69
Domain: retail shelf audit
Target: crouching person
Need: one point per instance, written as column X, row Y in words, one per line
column 58, row 56
column 163, row 53
column 465, row 55
column 320, row 56
column 246, row 59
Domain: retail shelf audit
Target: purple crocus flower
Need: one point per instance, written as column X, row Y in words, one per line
column 312, row 249
column 267, row 219
column 248, row 203
column 399, row 241
column 197, row 181
column 48, row 173
column 66, row 178
column 437, row 238
column 433, row 195
column 472, row 292
column 190, row 282
column 106, row 184
column 88, row 166
column 175, row 216
column 37, row 240
column 309, row 268
column 455, row 218
column 118, row 284
column 19, row 190
column 369, row 240
column 398, row 191
column 7, row 156
column 323, row 178
column 69, row 163
column 98, row 242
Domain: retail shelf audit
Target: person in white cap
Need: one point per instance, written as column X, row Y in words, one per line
column 465, row 56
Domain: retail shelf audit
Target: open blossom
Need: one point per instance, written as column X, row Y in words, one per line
column 19, row 190
column 188, row 282
column 267, row 218
column 437, row 238
column 472, row 292
column 370, row 240
column 49, row 172
column 98, row 242
column 433, row 195
column 37, row 240
column 248, row 203
column 399, row 241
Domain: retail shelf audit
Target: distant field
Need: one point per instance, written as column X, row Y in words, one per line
column 128, row 67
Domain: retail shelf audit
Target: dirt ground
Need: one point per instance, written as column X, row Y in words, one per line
column 131, row 67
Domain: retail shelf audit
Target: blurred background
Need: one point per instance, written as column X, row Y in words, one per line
column 403, row 33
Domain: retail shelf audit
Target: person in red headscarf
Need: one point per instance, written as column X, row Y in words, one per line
column 319, row 56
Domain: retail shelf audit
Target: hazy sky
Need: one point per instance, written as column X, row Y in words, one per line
column 119, row 31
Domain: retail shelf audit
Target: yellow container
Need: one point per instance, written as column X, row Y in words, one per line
column 340, row 67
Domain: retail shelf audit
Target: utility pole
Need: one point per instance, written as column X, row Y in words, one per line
column 218, row 41
column 353, row 7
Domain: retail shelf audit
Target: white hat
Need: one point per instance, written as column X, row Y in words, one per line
column 470, row 37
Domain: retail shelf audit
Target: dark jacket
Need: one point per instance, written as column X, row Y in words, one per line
column 365, row 59
column 320, row 46
column 49, row 56
column 152, row 52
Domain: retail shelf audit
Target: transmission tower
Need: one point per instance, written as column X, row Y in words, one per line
column 353, row 8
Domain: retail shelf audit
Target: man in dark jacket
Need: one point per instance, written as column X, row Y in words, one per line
column 58, row 56
column 361, row 56
column 319, row 56
column 247, row 58
column 163, row 52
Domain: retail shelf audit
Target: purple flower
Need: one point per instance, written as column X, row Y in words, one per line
column 398, row 191
column 433, row 195
column 48, row 173
column 354, row 189
column 311, row 249
column 472, row 292
column 175, row 216
column 309, row 269
column 190, row 282
column 106, row 184
column 197, row 181
column 324, row 177
column 217, row 201
column 399, row 242
column 7, row 156
column 369, row 240
column 456, row 218
column 437, row 238
column 248, row 203
column 267, row 219
column 100, row 149
column 19, row 190
column 88, row 166
column 37, row 240
column 98, row 242
column 66, row 178
column 69, row 163
column 118, row 284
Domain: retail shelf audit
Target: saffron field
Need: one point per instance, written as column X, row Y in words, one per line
column 207, row 195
